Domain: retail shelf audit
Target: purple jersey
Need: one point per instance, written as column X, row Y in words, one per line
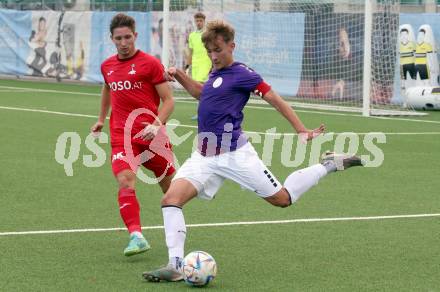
column 220, row 111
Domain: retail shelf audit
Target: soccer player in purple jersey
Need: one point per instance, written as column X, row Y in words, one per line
column 224, row 151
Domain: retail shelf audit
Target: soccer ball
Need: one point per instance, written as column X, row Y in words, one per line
column 199, row 268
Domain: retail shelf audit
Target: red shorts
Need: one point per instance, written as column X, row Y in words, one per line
column 159, row 160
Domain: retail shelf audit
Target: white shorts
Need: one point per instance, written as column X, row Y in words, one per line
column 243, row 166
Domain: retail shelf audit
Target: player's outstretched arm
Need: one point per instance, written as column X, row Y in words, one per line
column 286, row 110
column 105, row 106
column 193, row 87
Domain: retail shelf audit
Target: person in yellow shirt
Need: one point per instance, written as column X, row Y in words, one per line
column 198, row 58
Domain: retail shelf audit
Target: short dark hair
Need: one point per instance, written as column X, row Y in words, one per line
column 217, row 28
column 199, row 15
column 122, row 20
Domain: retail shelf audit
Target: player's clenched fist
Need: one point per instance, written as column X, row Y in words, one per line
column 149, row 132
column 97, row 127
column 170, row 73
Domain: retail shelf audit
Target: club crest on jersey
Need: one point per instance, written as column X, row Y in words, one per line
column 217, row 82
column 132, row 71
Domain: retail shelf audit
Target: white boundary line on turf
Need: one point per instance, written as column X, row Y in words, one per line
column 305, row 220
column 47, row 112
column 184, row 100
column 195, row 127
column 15, row 90
column 51, row 90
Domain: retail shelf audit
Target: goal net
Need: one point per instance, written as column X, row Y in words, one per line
column 312, row 52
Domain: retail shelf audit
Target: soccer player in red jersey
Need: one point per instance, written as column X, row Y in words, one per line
column 134, row 88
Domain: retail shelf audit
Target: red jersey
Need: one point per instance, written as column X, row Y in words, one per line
column 132, row 86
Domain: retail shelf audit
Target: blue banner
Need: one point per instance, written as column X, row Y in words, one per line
column 14, row 34
column 73, row 45
column 276, row 56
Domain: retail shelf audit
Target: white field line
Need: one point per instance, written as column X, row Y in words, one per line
column 51, row 90
column 16, row 90
column 195, row 127
column 47, row 112
column 243, row 223
column 190, row 100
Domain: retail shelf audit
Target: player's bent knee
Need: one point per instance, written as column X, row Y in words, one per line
column 126, row 180
column 125, row 183
column 285, row 204
column 281, row 204
column 169, row 199
column 280, row 199
column 179, row 193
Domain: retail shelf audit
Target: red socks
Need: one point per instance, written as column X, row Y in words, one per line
column 129, row 209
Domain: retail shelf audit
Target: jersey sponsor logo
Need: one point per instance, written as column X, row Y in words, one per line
column 125, row 85
column 132, row 71
column 217, row 82
column 118, row 156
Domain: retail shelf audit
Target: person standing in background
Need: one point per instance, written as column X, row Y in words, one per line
column 198, row 58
